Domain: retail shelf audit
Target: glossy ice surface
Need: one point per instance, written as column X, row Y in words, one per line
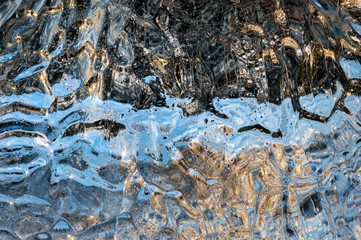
column 180, row 119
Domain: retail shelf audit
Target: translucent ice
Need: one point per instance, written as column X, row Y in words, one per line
column 209, row 119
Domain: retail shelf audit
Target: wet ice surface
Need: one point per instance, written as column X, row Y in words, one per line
column 180, row 119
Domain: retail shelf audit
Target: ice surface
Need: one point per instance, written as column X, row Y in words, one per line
column 182, row 119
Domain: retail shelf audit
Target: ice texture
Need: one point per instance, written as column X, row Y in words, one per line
column 180, row 119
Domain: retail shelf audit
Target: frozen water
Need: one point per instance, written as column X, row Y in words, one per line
column 182, row 119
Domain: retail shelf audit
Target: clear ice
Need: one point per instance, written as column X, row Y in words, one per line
column 180, row 119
